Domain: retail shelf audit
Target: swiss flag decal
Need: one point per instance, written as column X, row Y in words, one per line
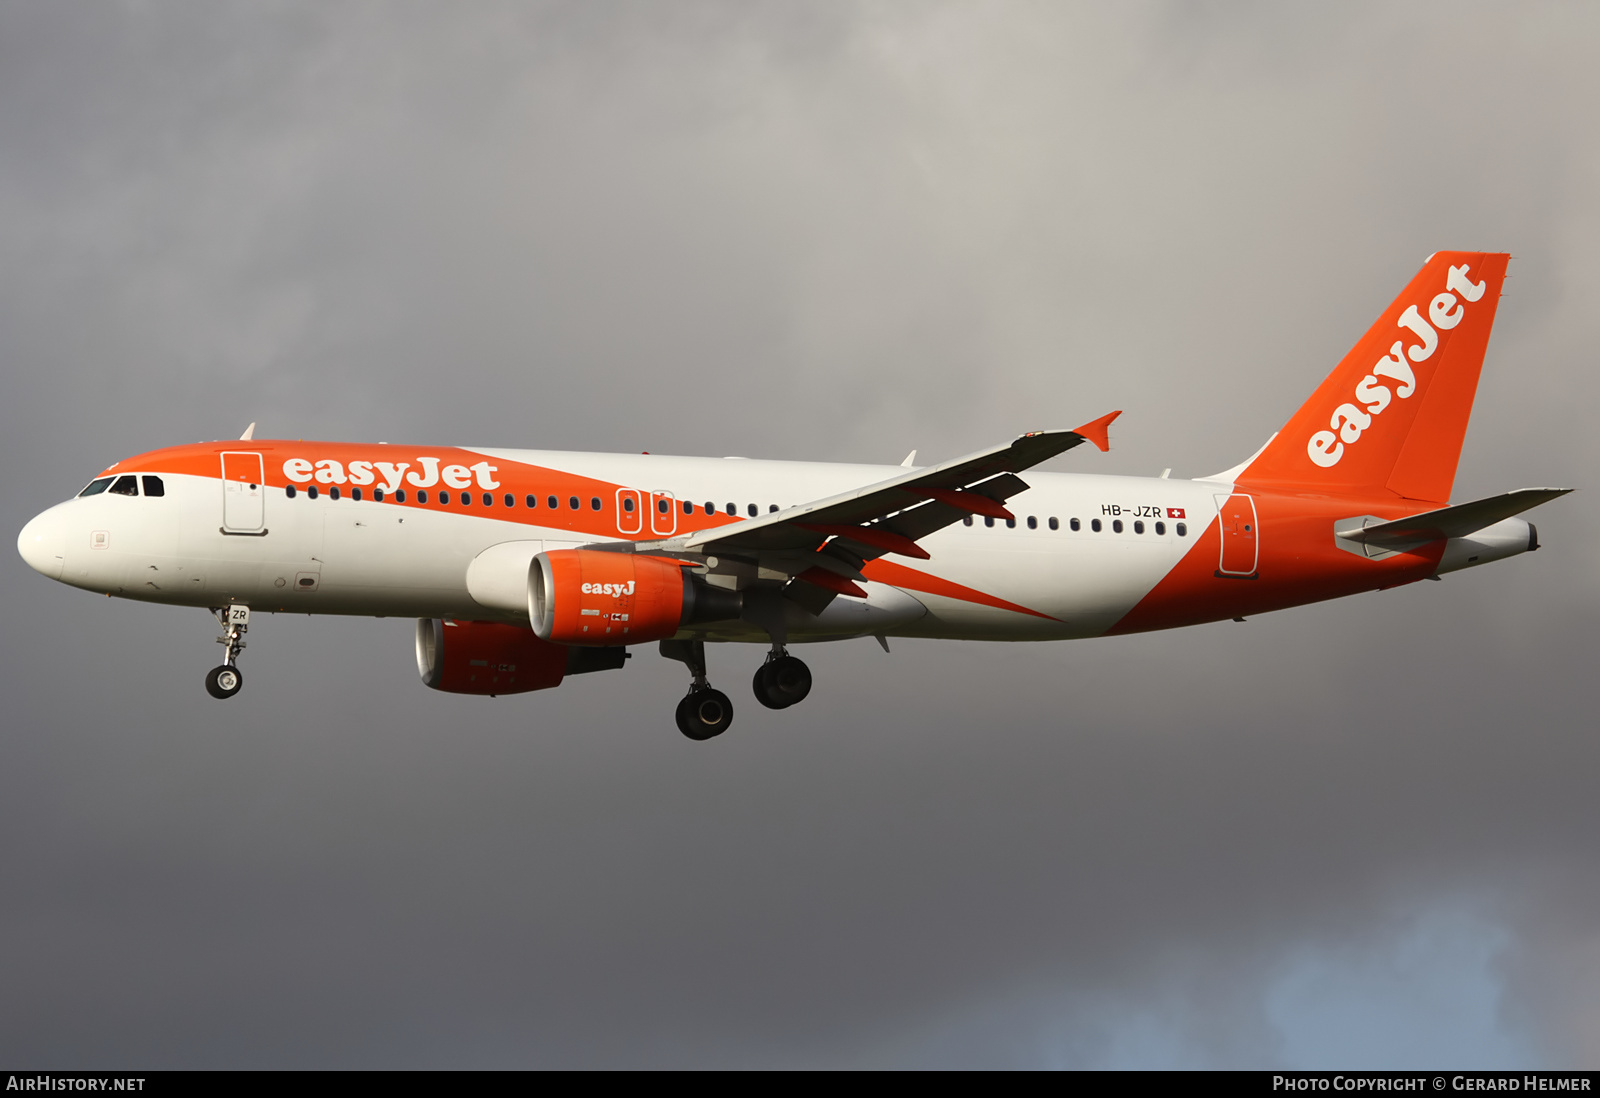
column 1175, row 512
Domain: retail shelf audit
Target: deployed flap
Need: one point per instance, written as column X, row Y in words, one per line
column 1451, row 522
column 909, row 497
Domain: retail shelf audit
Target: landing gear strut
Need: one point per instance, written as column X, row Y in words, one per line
column 224, row 682
column 704, row 712
column 782, row 681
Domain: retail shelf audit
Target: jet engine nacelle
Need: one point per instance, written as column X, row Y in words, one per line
column 590, row 597
column 484, row 657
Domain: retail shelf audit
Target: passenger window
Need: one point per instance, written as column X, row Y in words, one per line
column 153, row 486
column 552, row 502
column 771, row 507
column 663, row 506
column 1161, row 528
column 1033, row 523
column 988, row 520
column 1076, row 525
column 532, row 502
column 627, row 505
column 1183, row 531
column 752, row 510
column 711, row 508
column 333, row 493
column 1138, row 526
column 688, row 508
column 95, row 487
column 466, row 498
column 1094, row 524
column 1011, row 524
column 488, row 500
column 311, row 492
column 511, row 500
column 355, row 494
column 1055, row 523
column 733, row 508
column 594, row 503
column 291, row 491
column 444, row 498
column 400, row 496
column 572, row 503
column 966, row 520
column 377, row 495
column 1116, row 526
column 422, row 495
column 125, row 486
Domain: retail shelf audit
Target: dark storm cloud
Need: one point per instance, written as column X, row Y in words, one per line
column 793, row 231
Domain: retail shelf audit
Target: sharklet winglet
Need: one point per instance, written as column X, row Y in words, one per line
column 1095, row 430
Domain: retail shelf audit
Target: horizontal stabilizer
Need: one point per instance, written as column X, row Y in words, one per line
column 1450, row 522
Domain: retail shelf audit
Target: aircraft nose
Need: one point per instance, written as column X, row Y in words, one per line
column 43, row 543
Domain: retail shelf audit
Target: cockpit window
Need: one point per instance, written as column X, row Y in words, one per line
column 153, row 486
column 95, row 487
column 125, row 486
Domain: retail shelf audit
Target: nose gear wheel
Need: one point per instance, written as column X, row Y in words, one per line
column 223, row 682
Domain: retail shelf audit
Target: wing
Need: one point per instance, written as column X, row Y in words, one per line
column 825, row 542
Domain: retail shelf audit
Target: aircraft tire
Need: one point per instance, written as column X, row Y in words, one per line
column 704, row 714
column 782, row 682
column 223, row 682
column 760, row 687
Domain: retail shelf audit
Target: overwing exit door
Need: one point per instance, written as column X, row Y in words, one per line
column 243, row 495
column 663, row 514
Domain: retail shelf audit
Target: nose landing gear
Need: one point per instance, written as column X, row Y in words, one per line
column 224, row 682
column 782, row 681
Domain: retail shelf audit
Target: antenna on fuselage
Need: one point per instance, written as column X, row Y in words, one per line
column 249, row 433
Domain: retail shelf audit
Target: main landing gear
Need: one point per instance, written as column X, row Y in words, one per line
column 224, row 682
column 704, row 712
column 782, row 681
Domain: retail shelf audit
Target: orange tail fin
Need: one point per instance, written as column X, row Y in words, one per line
column 1392, row 415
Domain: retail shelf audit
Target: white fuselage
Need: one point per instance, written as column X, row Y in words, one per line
column 341, row 556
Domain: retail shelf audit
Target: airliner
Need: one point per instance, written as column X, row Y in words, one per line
column 523, row 567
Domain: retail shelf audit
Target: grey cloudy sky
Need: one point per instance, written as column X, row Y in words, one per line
column 1355, row 834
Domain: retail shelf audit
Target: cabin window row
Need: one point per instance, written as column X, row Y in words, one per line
column 553, row 503
column 443, row 498
column 1117, row 527
column 129, row 484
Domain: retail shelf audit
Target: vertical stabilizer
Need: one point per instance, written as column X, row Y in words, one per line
column 1391, row 417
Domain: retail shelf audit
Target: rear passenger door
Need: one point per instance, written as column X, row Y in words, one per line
column 1240, row 545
